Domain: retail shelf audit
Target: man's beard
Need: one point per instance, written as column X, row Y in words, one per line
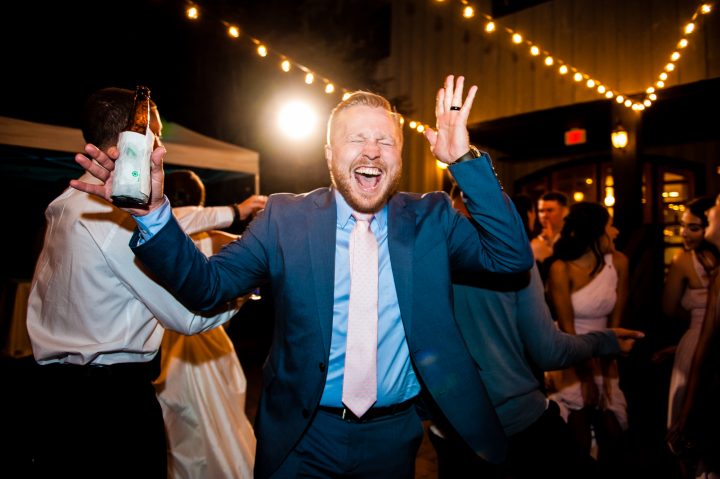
column 358, row 202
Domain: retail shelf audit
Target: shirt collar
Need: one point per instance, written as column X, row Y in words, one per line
column 344, row 212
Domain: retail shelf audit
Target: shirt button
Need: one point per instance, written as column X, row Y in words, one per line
column 321, row 367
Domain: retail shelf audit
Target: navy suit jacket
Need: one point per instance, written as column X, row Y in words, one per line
column 291, row 244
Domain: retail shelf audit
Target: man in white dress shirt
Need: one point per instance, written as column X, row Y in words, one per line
column 96, row 320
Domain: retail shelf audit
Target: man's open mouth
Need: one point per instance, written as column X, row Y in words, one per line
column 368, row 177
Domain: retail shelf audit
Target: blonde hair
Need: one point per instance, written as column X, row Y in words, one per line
column 363, row 98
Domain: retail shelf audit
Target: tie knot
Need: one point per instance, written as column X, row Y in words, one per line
column 363, row 216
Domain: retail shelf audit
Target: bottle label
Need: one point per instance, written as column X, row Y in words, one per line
column 132, row 168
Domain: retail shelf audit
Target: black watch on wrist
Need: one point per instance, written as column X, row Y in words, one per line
column 472, row 153
column 236, row 214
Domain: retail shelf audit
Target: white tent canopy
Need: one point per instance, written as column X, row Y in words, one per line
column 184, row 147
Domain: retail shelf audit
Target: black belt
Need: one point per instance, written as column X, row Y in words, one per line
column 370, row 414
column 146, row 371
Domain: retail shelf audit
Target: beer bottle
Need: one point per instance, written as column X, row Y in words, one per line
column 131, row 183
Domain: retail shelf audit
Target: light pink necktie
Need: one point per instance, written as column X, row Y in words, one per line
column 360, row 377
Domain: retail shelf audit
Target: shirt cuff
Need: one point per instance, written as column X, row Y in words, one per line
column 153, row 222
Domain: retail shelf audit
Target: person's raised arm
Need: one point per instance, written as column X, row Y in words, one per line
column 101, row 165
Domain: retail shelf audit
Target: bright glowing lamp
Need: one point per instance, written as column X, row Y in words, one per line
column 619, row 137
column 297, row 120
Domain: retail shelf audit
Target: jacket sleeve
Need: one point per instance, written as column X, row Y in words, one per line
column 203, row 283
column 504, row 245
column 549, row 347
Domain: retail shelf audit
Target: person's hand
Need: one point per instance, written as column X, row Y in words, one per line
column 251, row 205
column 547, row 232
column 626, row 338
column 101, row 165
column 449, row 141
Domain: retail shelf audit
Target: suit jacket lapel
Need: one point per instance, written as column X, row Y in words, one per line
column 401, row 244
column 322, row 223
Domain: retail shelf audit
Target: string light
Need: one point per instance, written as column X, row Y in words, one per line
column 192, row 11
column 536, row 50
column 234, row 31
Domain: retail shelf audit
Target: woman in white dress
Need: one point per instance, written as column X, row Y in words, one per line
column 588, row 289
column 685, row 292
column 202, row 386
column 693, row 434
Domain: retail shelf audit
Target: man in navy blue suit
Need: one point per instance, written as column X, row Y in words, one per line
column 299, row 244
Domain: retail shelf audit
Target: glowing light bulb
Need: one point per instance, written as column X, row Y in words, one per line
column 297, row 120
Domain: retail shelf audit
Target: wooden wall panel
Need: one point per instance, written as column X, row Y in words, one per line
column 622, row 43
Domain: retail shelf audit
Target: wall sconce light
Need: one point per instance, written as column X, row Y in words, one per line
column 619, row 137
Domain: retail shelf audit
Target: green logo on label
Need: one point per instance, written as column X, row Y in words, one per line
column 135, row 173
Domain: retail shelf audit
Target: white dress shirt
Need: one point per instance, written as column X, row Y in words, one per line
column 90, row 299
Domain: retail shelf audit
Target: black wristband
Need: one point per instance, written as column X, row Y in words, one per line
column 472, row 153
column 236, row 214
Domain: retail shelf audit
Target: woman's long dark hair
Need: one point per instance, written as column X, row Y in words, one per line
column 584, row 227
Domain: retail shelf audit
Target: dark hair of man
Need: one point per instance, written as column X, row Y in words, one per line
column 584, row 226
column 106, row 114
column 184, row 188
column 558, row 196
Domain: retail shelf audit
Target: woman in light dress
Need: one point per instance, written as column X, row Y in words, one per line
column 202, row 386
column 693, row 434
column 685, row 292
column 588, row 289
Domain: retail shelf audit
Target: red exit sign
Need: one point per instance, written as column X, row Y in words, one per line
column 575, row 136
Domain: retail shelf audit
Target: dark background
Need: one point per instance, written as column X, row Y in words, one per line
column 55, row 53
